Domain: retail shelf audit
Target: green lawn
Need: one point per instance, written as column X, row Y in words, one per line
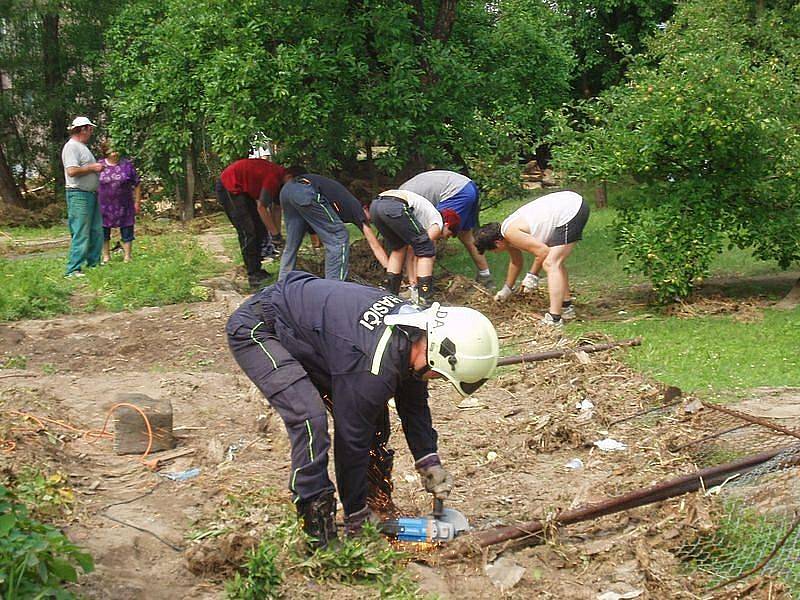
column 704, row 353
column 166, row 269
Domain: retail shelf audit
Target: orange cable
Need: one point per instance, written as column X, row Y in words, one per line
column 10, row 445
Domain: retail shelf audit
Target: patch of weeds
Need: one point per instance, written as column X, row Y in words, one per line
column 366, row 560
column 164, row 270
column 48, row 496
column 48, row 369
column 15, row 362
column 33, row 288
column 36, row 559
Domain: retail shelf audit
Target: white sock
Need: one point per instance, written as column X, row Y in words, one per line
column 483, row 272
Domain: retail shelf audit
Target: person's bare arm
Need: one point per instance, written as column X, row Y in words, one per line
column 538, row 261
column 95, row 167
column 435, row 232
column 375, row 245
column 266, row 218
column 515, row 264
column 522, row 240
column 137, row 198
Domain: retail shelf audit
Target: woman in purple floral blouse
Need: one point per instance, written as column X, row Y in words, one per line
column 120, row 197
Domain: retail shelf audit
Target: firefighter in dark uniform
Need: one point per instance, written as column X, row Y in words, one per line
column 307, row 342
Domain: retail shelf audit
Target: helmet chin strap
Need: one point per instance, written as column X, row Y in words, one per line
column 420, row 373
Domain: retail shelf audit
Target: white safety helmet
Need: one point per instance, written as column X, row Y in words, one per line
column 462, row 343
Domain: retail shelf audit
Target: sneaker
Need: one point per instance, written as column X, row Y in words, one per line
column 75, row 274
column 551, row 322
column 486, row 281
column 568, row 312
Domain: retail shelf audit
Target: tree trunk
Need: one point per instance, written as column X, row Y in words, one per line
column 445, row 19
column 187, row 210
column 601, row 195
column 54, row 84
column 8, row 187
column 792, row 299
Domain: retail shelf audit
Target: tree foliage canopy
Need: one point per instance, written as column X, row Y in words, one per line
column 327, row 79
column 707, row 127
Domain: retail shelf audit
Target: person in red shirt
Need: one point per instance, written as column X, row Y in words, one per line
column 246, row 190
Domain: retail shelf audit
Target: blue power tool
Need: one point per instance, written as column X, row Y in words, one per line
column 441, row 526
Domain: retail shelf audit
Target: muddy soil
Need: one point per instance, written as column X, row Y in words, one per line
column 508, row 449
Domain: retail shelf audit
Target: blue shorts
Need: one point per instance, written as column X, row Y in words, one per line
column 465, row 202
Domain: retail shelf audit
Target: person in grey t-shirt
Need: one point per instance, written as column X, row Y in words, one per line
column 448, row 189
column 81, row 171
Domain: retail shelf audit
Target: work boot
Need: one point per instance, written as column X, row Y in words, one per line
column 379, row 483
column 353, row 523
column 425, row 289
column 319, row 520
column 392, row 282
column 257, row 279
column 486, row 281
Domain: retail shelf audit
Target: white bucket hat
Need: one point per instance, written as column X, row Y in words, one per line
column 80, row 122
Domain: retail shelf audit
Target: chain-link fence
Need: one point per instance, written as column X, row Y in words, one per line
column 757, row 530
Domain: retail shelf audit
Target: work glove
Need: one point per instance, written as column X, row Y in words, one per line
column 530, row 283
column 353, row 523
column 503, row 295
column 435, row 479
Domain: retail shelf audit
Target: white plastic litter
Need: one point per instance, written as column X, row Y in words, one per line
column 610, row 445
column 574, row 464
column 585, row 405
column 615, row 596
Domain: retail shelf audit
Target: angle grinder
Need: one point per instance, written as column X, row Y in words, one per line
column 443, row 525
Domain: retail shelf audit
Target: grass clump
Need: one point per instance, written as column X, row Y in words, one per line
column 280, row 562
column 165, row 270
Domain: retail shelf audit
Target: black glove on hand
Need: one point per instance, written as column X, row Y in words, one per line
column 355, row 521
column 436, row 480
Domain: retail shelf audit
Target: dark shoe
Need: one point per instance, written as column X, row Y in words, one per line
column 355, row 522
column 319, row 520
column 392, row 282
column 257, row 280
column 425, row 289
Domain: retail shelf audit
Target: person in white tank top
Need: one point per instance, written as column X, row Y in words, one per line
column 548, row 227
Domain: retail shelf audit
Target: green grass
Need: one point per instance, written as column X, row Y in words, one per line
column 712, row 352
column 166, row 269
column 702, row 353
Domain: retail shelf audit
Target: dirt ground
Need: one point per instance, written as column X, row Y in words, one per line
column 508, row 449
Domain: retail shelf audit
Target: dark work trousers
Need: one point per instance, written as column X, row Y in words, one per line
column 289, row 390
column 302, row 207
column 243, row 215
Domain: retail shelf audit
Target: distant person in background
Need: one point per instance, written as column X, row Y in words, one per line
column 81, row 171
column 451, row 190
column 409, row 222
column 246, row 190
column 120, row 197
column 323, row 206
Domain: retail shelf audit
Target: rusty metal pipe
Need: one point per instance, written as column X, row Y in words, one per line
column 550, row 354
column 708, row 477
column 753, row 419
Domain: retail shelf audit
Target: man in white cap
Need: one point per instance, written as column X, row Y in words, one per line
column 81, row 174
